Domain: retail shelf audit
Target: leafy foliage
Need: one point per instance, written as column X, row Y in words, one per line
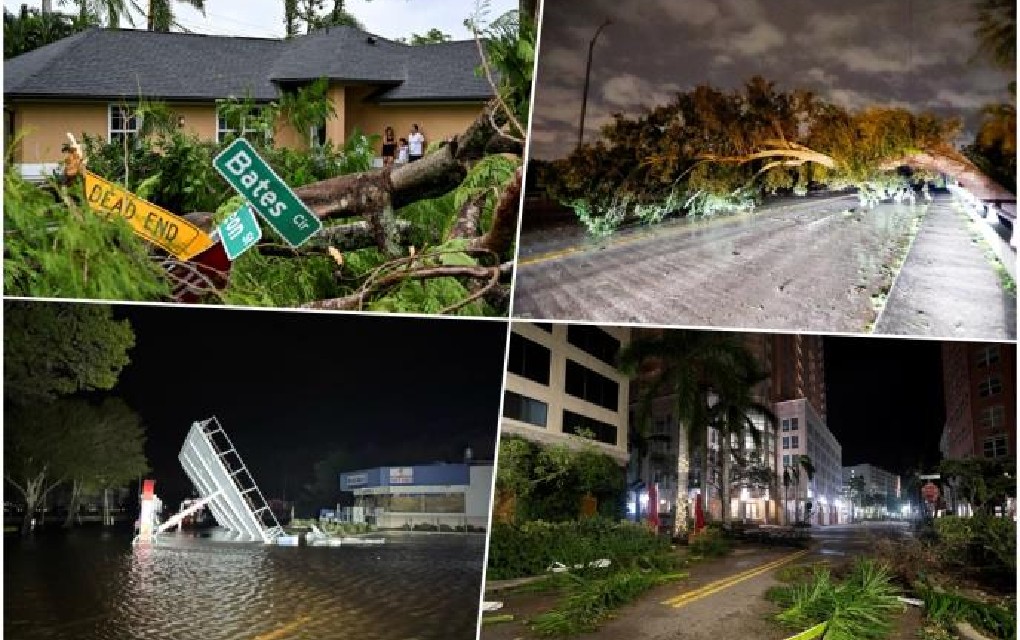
column 58, row 249
column 30, row 29
column 948, row 606
column 550, row 481
column 530, row 548
column 53, row 349
column 859, row 608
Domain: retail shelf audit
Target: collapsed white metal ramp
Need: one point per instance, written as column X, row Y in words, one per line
column 220, row 476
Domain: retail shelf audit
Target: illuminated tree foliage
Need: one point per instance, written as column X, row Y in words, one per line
column 710, row 150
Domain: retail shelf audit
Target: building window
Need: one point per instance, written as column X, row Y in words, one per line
column 786, row 424
column 249, row 131
column 594, row 341
column 988, row 355
column 786, row 442
column 996, row 447
column 993, row 417
column 525, row 409
column 794, row 424
column 123, row 123
column 592, row 387
column 794, row 442
column 528, row 359
column 577, row 424
column 990, row 387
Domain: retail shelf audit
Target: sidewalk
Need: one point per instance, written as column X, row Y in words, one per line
column 948, row 285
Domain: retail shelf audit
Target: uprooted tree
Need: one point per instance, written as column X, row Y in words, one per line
column 431, row 236
column 710, row 149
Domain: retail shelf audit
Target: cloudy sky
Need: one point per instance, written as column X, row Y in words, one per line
column 913, row 53
column 264, row 18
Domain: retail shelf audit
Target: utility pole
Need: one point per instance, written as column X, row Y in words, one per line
column 587, row 77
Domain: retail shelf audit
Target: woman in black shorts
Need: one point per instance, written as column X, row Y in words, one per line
column 389, row 147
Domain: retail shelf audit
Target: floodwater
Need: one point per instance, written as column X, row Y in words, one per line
column 92, row 585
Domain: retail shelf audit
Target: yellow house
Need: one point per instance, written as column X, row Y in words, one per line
column 81, row 84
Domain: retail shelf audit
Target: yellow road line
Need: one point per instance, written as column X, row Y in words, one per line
column 283, row 631
column 729, row 581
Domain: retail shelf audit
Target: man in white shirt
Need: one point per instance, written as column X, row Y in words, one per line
column 415, row 144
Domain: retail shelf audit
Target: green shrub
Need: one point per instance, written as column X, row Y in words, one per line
column 980, row 540
column 710, row 543
column 532, row 547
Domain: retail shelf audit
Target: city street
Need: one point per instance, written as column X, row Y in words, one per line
column 821, row 264
column 722, row 598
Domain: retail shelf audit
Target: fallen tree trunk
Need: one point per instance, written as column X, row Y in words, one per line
column 957, row 166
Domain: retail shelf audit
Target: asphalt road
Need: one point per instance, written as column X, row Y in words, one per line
column 822, row 264
column 723, row 598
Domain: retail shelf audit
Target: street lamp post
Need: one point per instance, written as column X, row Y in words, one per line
column 587, row 77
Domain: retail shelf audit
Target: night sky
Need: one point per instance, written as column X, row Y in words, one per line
column 885, row 403
column 918, row 54
column 291, row 387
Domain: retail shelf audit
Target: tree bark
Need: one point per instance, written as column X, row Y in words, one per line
column 724, row 489
column 957, row 166
column 72, row 507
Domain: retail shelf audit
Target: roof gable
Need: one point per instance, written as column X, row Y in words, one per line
column 115, row 63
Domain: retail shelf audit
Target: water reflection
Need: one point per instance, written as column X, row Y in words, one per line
column 92, row 586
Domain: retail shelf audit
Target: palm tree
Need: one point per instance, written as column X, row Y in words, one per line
column 105, row 12
column 686, row 365
column 161, row 13
column 855, row 491
column 996, row 32
column 800, row 462
column 734, row 414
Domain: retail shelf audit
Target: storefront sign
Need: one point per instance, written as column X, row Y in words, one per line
column 401, row 475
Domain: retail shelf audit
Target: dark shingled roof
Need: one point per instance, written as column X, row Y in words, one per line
column 114, row 63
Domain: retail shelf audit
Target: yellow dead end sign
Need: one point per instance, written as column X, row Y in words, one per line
column 157, row 225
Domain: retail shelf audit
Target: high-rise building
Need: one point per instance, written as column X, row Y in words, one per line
column 795, row 365
column 877, row 481
column 562, row 382
column 979, row 384
column 803, row 431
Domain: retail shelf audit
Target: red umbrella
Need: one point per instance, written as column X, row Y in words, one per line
column 699, row 514
column 653, row 507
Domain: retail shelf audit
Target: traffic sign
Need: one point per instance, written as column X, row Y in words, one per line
column 173, row 233
column 267, row 194
column 239, row 232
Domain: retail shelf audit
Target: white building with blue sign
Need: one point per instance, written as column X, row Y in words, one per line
column 446, row 495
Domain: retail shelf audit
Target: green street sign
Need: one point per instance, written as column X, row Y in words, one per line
column 266, row 193
column 239, row 232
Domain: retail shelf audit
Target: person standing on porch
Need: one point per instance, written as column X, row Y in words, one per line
column 415, row 144
column 389, row 147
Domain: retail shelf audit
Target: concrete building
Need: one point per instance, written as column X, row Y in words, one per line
column 440, row 494
column 803, row 432
column 877, row 483
column 979, row 386
column 562, row 380
column 796, row 370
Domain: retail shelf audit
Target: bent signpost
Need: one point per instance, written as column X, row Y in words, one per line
column 172, row 233
column 266, row 193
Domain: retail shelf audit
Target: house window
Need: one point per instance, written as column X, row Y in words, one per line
column 594, row 341
column 317, row 135
column 224, row 130
column 993, row 417
column 123, row 123
column 525, row 409
column 794, row 442
column 794, row 424
column 786, row 442
column 786, row 424
column 576, row 424
column 592, row 387
column 990, row 387
column 528, row 359
column 988, row 355
column 996, row 447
